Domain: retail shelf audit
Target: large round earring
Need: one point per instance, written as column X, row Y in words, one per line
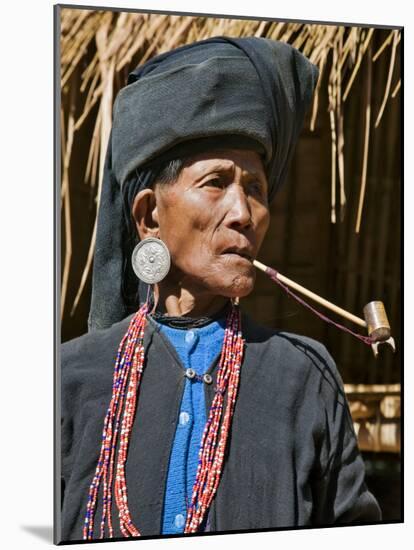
column 151, row 260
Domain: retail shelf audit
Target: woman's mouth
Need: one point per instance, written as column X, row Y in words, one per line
column 242, row 253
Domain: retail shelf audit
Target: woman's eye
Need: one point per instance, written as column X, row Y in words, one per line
column 215, row 182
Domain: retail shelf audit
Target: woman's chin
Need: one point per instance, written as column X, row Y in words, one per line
column 229, row 281
column 239, row 286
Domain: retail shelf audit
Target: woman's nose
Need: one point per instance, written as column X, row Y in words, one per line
column 239, row 214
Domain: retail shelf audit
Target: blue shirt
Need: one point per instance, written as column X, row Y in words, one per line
column 196, row 348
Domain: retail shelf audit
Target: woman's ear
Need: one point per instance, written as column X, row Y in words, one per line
column 145, row 214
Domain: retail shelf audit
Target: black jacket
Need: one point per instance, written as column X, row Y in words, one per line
column 292, row 457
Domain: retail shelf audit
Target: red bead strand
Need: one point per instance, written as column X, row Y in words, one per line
column 129, row 366
column 211, row 457
column 109, row 442
column 134, row 336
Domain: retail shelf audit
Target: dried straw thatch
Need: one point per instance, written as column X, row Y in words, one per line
column 98, row 48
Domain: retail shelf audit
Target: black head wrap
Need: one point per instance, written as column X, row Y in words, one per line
column 250, row 93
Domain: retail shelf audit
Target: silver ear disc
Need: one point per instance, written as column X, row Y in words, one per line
column 151, row 260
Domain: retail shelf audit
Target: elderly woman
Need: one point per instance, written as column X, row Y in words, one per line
column 179, row 413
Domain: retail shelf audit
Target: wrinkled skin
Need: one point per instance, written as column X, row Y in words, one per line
column 210, row 218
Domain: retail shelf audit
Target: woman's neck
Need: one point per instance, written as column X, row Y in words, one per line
column 178, row 302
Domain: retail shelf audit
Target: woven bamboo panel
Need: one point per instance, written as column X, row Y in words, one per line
column 376, row 412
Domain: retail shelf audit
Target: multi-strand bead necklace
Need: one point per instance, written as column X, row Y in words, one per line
column 126, row 380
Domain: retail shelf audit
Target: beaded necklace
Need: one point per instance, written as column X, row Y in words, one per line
column 129, row 366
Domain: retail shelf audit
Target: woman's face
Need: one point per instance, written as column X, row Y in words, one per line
column 213, row 220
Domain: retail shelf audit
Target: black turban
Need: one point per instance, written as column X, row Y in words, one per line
column 250, row 93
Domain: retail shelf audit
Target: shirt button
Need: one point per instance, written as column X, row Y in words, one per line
column 190, row 373
column 179, row 521
column 191, row 337
column 184, row 418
